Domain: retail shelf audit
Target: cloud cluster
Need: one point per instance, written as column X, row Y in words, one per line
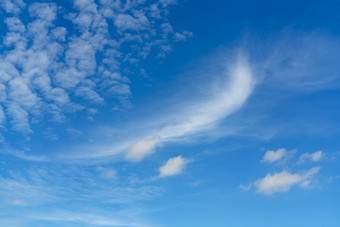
column 61, row 59
column 284, row 180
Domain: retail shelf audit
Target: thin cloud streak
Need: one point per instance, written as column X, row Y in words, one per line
column 192, row 118
column 227, row 100
column 91, row 219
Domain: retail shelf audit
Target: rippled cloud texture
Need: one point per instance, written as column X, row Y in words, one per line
column 162, row 113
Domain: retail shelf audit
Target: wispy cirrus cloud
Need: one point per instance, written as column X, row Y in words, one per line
column 201, row 116
column 236, row 82
column 228, row 98
column 294, row 60
column 85, row 218
column 40, row 185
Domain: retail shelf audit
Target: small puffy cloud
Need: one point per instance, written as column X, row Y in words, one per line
column 142, row 149
column 283, row 181
column 173, row 166
column 59, row 33
column 43, row 10
column 316, row 156
column 14, row 24
column 273, row 156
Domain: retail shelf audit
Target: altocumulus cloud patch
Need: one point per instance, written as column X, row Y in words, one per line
column 58, row 59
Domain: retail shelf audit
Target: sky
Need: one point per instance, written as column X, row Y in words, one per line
column 162, row 113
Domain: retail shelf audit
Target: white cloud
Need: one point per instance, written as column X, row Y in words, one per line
column 88, row 94
column 201, row 116
column 15, row 24
column 43, row 10
column 19, row 119
column 45, row 66
column 142, row 149
column 125, row 22
column 283, row 181
column 191, row 117
column 316, row 156
column 12, row 6
column 273, row 156
column 173, row 166
column 227, row 99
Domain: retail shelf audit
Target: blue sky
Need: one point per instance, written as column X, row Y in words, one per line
column 169, row 113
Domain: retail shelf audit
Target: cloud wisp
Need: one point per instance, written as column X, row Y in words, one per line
column 314, row 157
column 201, row 116
column 191, row 118
column 88, row 219
column 227, row 99
column 141, row 149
